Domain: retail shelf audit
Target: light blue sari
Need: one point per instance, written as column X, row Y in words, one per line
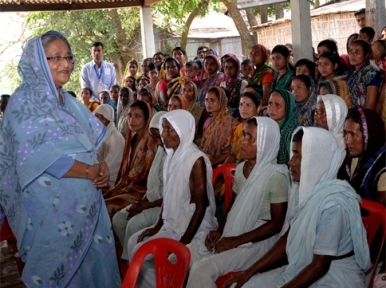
column 62, row 227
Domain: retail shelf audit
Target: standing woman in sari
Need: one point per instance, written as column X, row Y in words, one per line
column 364, row 83
column 305, row 99
column 281, row 109
column 139, row 153
column 218, row 129
column 263, row 75
column 212, row 68
column 49, row 174
column 172, row 84
column 281, row 61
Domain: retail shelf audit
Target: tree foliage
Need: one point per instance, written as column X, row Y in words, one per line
column 117, row 29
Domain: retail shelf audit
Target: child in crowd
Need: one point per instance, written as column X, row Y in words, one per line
column 247, row 69
column 191, row 72
column 367, row 34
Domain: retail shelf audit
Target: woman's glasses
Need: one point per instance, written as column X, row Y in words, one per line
column 57, row 59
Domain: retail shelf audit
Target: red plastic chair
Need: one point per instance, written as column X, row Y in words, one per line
column 227, row 170
column 374, row 218
column 169, row 275
column 6, row 234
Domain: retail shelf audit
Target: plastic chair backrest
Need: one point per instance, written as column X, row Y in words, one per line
column 227, row 170
column 374, row 218
column 168, row 275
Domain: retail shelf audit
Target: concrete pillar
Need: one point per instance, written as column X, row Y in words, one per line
column 301, row 29
column 376, row 16
column 147, row 34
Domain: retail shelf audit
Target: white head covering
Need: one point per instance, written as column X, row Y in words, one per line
column 106, row 110
column 336, row 112
column 251, row 198
column 155, row 120
column 320, row 160
column 178, row 165
column 318, row 190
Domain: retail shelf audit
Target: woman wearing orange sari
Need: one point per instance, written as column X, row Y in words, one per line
column 139, row 153
column 218, row 129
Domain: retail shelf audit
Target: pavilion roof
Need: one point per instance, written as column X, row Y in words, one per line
column 68, row 5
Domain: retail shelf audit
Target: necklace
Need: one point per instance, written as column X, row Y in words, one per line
column 250, row 167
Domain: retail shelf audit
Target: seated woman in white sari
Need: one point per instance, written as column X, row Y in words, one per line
column 323, row 238
column 330, row 114
column 188, row 204
column 112, row 147
column 257, row 215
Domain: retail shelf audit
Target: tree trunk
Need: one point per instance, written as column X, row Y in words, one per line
column 263, row 14
column 252, row 22
column 279, row 11
column 246, row 37
column 188, row 23
column 316, row 4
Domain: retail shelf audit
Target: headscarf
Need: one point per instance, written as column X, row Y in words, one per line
column 287, row 125
column 263, row 69
column 35, row 132
column 218, row 135
column 249, row 202
column 112, row 147
column 336, row 112
column 233, row 85
column 337, row 87
column 194, row 107
column 206, row 84
column 154, row 180
column 173, row 86
column 107, row 111
column 183, row 102
column 139, row 153
column 305, row 111
column 122, row 113
column 371, row 163
column 317, row 191
column 177, row 169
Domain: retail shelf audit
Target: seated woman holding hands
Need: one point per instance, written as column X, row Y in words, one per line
column 140, row 150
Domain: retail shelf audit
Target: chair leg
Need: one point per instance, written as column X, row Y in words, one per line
column 19, row 263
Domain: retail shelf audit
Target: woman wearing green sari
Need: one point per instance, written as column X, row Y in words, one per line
column 284, row 73
column 281, row 109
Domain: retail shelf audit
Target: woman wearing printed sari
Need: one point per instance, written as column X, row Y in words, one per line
column 49, row 174
column 139, row 153
column 233, row 82
column 364, row 166
column 212, row 68
column 281, row 105
column 305, row 99
column 364, row 83
column 172, row 84
column 218, row 130
column 263, row 73
column 122, row 109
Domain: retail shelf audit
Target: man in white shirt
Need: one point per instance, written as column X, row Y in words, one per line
column 97, row 74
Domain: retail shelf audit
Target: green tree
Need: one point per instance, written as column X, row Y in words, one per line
column 117, row 29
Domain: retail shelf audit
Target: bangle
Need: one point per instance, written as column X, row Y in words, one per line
column 88, row 166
